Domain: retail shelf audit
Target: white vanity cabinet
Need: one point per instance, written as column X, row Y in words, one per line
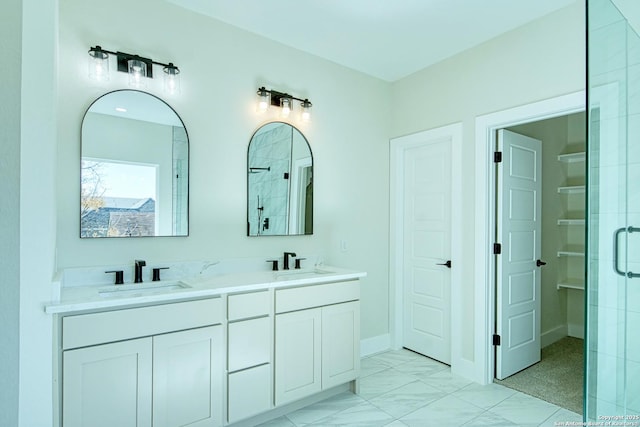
column 108, row 385
column 128, row 368
column 317, row 339
column 249, row 347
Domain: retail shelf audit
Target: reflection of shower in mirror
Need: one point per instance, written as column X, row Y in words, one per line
column 260, row 211
column 280, row 171
column 259, row 170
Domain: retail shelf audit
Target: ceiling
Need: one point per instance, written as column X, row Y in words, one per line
column 388, row 39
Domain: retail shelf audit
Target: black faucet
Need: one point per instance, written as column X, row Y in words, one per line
column 138, row 270
column 285, row 264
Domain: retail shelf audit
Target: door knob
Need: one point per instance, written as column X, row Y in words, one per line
column 540, row 263
column 446, row 264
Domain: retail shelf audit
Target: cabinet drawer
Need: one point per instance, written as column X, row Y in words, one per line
column 249, row 392
column 109, row 326
column 243, row 306
column 316, row 296
column 249, row 343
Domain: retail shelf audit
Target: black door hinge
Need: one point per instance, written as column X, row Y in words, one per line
column 496, row 339
column 497, row 157
column 497, row 248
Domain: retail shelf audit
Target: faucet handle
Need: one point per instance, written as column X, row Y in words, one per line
column 156, row 273
column 297, row 265
column 119, row 276
column 274, row 264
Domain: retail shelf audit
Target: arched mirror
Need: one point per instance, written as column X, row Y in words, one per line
column 280, row 182
column 134, row 168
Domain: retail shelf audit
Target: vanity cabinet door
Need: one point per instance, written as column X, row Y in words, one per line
column 340, row 343
column 187, row 378
column 108, row 385
column 297, row 355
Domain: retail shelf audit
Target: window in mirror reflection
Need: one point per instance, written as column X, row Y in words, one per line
column 119, row 199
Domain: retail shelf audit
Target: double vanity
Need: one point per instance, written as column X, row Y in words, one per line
column 195, row 343
column 213, row 347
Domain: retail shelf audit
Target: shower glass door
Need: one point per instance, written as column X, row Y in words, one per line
column 612, row 368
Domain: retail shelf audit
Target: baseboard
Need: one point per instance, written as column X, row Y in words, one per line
column 553, row 335
column 576, row 331
column 375, row 345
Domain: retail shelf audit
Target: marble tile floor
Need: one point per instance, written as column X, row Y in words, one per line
column 402, row 388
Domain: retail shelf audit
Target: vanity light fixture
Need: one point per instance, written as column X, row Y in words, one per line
column 284, row 101
column 139, row 68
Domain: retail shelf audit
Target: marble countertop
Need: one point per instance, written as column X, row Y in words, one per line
column 97, row 297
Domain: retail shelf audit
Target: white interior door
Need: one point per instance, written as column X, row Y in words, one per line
column 518, row 231
column 427, row 247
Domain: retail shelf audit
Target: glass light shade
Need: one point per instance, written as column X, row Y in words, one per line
column 285, row 103
column 98, row 64
column 263, row 100
column 171, row 79
column 305, row 115
column 137, row 73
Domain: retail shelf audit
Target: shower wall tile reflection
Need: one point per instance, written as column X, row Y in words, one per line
column 269, row 160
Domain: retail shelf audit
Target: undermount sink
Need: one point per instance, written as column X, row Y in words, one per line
column 302, row 273
column 141, row 289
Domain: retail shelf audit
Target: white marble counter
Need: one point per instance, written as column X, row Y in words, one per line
column 99, row 296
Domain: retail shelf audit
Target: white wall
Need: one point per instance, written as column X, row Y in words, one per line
column 10, row 67
column 541, row 60
column 222, row 67
column 37, row 208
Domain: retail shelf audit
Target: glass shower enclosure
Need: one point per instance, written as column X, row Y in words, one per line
column 612, row 368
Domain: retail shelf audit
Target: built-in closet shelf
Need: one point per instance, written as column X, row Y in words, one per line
column 571, row 284
column 571, row 253
column 567, row 221
column 571, row 189
column 572, row 157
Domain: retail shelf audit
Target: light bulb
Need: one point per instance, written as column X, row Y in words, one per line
column 171, row 79
column 137, row 73
column 263, row 100
column 285, row 103
column 306, row 111
column 98, row 64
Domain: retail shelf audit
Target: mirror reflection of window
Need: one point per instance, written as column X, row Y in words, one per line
column 118, row 199
column 124, row 133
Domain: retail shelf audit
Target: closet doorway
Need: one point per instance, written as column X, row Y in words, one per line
column 539, row 277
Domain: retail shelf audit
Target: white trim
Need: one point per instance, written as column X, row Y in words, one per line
column 397, row 148
column 486, row 127
column 373, row 345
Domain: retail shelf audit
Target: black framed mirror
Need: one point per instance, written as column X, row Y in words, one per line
column 134, row 171
column 279, row 182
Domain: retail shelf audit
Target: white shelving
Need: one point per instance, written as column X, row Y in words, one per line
column 572, row 157
column 568, row 221
column 572, row 189
column 571, row 249
column 571, row 284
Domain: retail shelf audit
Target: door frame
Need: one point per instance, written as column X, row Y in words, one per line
column 397, row 147
column 485, row 221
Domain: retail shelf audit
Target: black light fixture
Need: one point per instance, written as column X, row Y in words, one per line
column 138, row 68
column 283, row 100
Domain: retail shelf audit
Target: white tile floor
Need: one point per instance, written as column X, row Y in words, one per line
column 402, row 388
